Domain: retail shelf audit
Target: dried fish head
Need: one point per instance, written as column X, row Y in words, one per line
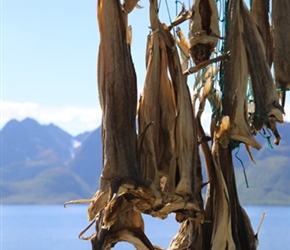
column 201, row 52
column 204, row 30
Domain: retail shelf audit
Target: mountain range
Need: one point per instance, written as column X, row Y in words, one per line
column 42, row 164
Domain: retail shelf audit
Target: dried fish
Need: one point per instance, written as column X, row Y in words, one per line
column 234, row 91
column 204, row 30
column 207, row 89
column 163, row 152
column 167, row 104
column 268, row 111
column 129, row 5
column 222, row 235
column 148, row 112
column 156, row 107
column 181, row 17
column 121, row 179
column 118, row 97
column 130, row 228
column 184, row 172
column 281, row 27
column 190, row 234
column 159, row 171
column 184, row 49
column 242, row 231
column 181, row 240
column 260, row 13
column 204, row 64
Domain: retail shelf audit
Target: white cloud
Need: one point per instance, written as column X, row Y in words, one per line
column 73, row 119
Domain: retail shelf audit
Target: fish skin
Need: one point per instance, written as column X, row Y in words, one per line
column 184, row 48
column 121, row 177
column 264, row 90
column 148, row 112
column 204, row 30
column 118, row 95
column 234, row 97
column 130, row 228
column 222, row 232
column 129, row 5
column 281, row 34
column 184, row 131
column 260, row 14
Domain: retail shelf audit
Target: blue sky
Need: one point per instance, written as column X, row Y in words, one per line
column 48, row 56
column 48, row 60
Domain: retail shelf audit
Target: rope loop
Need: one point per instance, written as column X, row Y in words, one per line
column 244, row 169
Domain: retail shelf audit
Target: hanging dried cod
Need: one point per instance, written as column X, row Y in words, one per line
column 164, row 152
column 241, row 229
column 191, row 231
column 281, row 27
column 149, row 111
column 221, row 237
column 156, row 116
column 121, row 182
column 185, row 134
column 204, row 30
column 234, row 103
column 268, row 111
column 184, row 173
column 260, row 10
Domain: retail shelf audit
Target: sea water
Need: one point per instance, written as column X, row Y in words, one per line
column 34, row 227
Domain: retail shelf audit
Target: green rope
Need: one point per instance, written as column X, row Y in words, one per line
column 176, row 6
column 223, row 9
column 168, row 11
column 268, row 137
column 234, row 144
column 159, row 5
column 244, row 169
column 251, row 6
column 225, row 14
column 282, row 90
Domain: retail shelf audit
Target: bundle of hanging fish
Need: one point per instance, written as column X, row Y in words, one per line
column 249, row 56
column 152, row 172
column 157, row 170
column 276, row 44
column 166, row 140
column 123, row 194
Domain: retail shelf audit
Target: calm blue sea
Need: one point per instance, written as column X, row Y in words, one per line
column 34, row 227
